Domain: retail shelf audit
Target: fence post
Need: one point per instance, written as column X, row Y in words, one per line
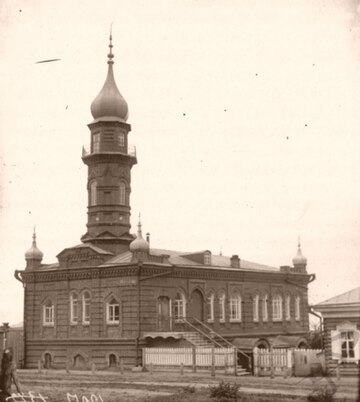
column 226, row 363
column 271, row 362
column 338, row 376
column 121, row 363
column 235, row 362
column 213, row 361
column 182, row 369
column 67, row 367
column 151, row 368
column 93, row 368
column 194, row 359
column 256, row 362
column 39, row 366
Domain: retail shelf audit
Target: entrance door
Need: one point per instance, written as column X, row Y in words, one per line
column 197, row 305
column 164, row 313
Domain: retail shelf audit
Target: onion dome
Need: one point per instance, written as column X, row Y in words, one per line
column 34, row 253
column 139, row 244
column 110, row 103
column 299, row 259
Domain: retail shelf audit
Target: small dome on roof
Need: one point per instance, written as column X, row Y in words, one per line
column 34, row 253
column 139, row 244
column 299, row 259
column 109, row 102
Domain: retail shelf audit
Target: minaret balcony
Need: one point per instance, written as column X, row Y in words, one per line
column 86, row 151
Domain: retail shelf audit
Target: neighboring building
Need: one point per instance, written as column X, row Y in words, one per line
column 112, row 295
column 341, row 329
column 13, row 337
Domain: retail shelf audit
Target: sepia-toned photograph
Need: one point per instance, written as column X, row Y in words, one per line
column 179, row 201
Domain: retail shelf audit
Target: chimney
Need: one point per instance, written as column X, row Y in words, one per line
column 148, row 238
column 235, row 261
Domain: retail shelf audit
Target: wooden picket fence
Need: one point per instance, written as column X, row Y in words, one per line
column 271, row 362
column 188, row 357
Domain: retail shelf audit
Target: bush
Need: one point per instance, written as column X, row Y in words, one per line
column 189, row 389
column 322, row 394
column 225, row 392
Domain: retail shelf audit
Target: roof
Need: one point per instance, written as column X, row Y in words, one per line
column 181, row 258
column 350, row 297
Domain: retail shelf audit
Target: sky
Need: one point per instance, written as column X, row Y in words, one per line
column 245, row 117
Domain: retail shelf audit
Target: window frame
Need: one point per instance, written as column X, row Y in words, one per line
column 265, row 308
column 277, row 308
column 210, row 304
column 96, row 139
column 74, row 308
column 288, row 308
column 297, row 308
column 180, row 306
column 122, row 193
column 86, row 308
column 48, row 314
column 222, row 307
column 256, row 308
column 111, row 315
column 235, row 307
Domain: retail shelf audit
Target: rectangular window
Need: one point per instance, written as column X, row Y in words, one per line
column 277, row 308
column 180, row 307
column 265, row 312
column 256, row 308
column 73, row 309
column 297, row 308
column 113, row 313
column 235, row 308
column 96, row 142
column 210, row 308
column 121, row 139
column 207, row 259
column 86, row 308
column 347, row 345
column 287, row 308
column 222, row 308
column 48, row 311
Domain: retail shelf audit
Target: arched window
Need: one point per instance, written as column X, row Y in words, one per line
column 73, row 308
column 48, row 313
column 93, row 193
column 112, row 360
column 180, row 306
column 287, row 308
column 113, row 312
column 265, row 312
column 256, row 308
column 297, row 308
column 210, row 310
column 122, row 193
column 96, row 142
column 235, row 307
column 222, row 299
column 277, row 308
column 86, row 308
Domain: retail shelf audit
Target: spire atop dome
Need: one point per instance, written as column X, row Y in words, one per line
column 299, row 259
column 139, row 244
column 33, row 256
column 110, row 104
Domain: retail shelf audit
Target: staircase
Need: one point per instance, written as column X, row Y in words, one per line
column 196, row 339
column 207, row 338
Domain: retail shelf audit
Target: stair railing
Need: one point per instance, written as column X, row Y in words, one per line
column 212, row 340
column 211, row 331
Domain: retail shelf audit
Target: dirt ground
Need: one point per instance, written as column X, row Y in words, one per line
column 59, row 386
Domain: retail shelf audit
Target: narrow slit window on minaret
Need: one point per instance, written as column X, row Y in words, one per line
column 96, row 142
column 122, row 193
column 93, row 193
column 121, row 139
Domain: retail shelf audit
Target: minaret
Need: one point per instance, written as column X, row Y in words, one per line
column 109, row 164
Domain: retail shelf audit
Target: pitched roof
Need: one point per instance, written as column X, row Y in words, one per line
column 179, row 258
column 350, row 297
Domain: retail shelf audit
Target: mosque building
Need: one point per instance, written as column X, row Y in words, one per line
column 110, row 296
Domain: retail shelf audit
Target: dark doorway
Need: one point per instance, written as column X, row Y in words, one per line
column 47, row 361
column 197, row 305
column 164, row 321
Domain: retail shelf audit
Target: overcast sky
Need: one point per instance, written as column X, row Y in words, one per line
column 245, row 116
